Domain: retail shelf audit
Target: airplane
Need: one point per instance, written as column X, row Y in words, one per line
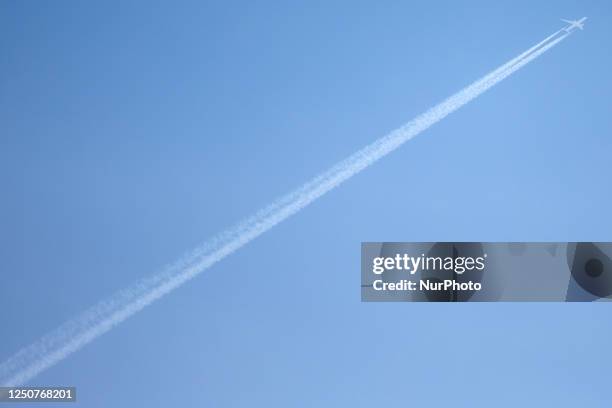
column 574, row 24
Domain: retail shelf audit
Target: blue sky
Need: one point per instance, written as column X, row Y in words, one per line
column 133, row 131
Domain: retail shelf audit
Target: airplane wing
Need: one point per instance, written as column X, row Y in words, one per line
column 567, row 21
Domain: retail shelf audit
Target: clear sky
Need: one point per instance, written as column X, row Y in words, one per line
column 130, row 132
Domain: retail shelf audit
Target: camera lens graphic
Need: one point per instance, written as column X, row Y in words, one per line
column 594, row 267
column 591, row 267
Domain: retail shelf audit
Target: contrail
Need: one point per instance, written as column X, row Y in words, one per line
column 76, row 333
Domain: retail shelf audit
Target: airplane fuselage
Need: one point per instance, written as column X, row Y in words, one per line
column 574, row 24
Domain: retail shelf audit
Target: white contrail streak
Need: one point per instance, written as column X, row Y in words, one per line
column 71, row 336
